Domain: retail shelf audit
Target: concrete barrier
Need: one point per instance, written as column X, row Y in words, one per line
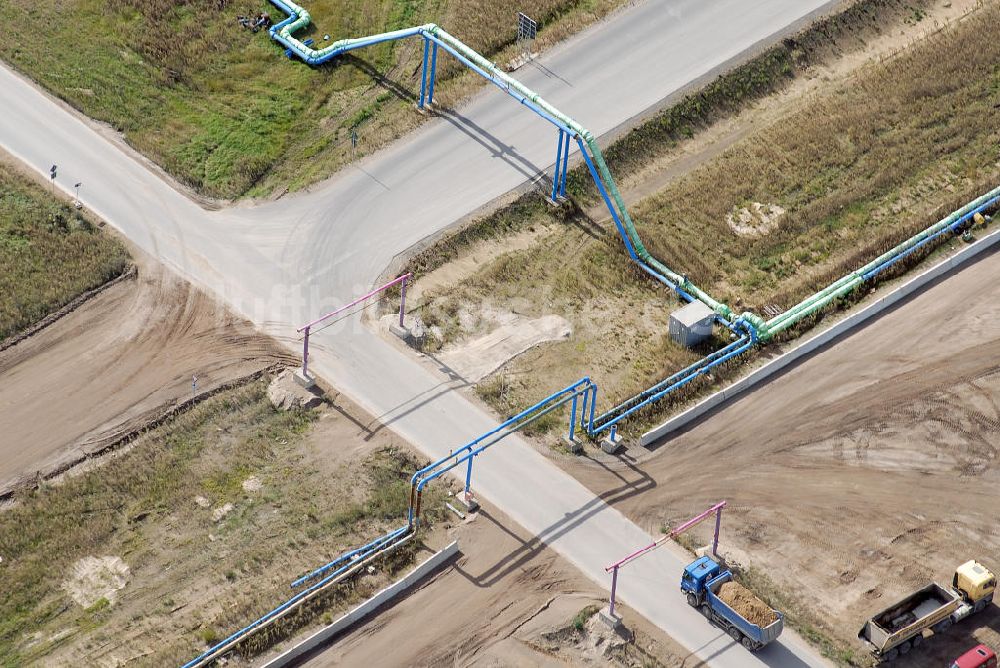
column 809, row 346
column 365, row 609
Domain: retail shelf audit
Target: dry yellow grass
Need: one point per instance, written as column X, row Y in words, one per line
column 861, row 167
column 193, row 578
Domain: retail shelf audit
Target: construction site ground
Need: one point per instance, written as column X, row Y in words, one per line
column 119, row 361
column 149, row 554
column 856, row 477
column 505, row 601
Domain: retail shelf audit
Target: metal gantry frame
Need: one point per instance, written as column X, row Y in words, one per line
column 673, row 533
column 306, row 329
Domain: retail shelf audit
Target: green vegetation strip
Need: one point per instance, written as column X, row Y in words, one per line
column 49, row 253
column 222, row 109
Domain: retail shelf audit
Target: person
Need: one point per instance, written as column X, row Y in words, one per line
column 244, row 21
column 263, row 21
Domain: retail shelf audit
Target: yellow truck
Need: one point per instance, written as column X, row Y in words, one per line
column 900, row 627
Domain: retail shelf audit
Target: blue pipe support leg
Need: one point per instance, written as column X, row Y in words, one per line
column 468, row 475
column 587, row 419
column 565, row 162
column 423, row 72
column 572, row 418
column 555, row 177
column 434, row 62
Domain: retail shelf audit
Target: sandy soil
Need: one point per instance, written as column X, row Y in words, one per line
column 117, row 362
column 862, row 473
column 474, row 359
column 506, row 601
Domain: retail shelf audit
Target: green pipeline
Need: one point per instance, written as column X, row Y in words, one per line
column 765, row 329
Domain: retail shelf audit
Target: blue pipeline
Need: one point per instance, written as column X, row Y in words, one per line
column 210, row 653
column 614, row 213
column 298, row 18
column 583, row 389
column 467, row 453
column 621, row 229
column 658, row 391
column 350, row 557
column 502, row 86
column 962, row 220
column 556, row 179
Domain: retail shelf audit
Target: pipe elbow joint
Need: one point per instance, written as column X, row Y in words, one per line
column 754, row 325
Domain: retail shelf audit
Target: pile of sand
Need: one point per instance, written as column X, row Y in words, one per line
column 743, row 601
column 94, row 578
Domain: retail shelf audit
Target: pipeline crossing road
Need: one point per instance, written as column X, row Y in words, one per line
column 284, row 262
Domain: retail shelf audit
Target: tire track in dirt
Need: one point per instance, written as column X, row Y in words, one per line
column 119, row 360
column 862, row 472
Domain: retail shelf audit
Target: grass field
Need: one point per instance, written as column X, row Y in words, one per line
column 49, row 253
column 856, row 168
column 863, row 166
column 222, row 109
column 194, row 578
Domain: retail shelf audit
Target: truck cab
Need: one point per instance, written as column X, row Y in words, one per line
column 975, row 583
column 980, row 656
column 696, row 575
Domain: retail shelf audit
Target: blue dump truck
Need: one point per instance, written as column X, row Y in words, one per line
column 703, row 582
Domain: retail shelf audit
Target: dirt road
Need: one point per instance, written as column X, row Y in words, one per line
column 501, row 604
column 861, row 473
column 114, row 364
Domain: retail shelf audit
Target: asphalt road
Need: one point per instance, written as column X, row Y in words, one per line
column 283, row 263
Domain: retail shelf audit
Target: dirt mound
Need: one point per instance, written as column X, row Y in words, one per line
column 743, row 601
column 286, row 394
column 94, row 578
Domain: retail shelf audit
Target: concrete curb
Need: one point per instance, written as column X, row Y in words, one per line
column 759, row 375
column 365, row 609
